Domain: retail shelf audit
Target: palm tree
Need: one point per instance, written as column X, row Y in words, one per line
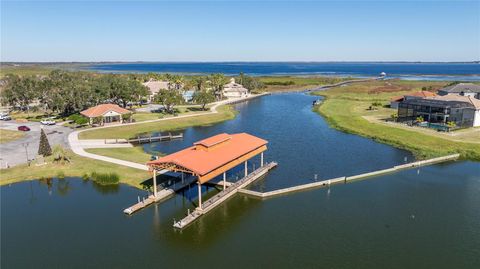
column 217, row 81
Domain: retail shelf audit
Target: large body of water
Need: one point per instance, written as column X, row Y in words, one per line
column 419, row 218
column 415, row 71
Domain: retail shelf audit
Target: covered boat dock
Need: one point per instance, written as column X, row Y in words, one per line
column 206, row 160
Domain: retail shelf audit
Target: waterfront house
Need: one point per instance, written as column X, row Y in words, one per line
column 415, row 95
column 234, row 90
column 463, row 89
column 464, row 111
column 155, row 86
column 106, row 113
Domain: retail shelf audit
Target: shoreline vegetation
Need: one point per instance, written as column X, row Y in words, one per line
column 348, row 109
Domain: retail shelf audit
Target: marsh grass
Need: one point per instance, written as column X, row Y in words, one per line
column 105, row 178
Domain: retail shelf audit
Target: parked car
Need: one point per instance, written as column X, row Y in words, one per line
column 48, row 121
column 5, row 117
column 23, row 128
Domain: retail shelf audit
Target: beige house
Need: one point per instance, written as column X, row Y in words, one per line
column 234, row 90
column 155, row 86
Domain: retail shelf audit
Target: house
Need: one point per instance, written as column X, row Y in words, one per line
column 234, row 90
column 463, row 89
column 464, row 111
column 188, row 95
column 415, row 95
column 155, row 86
column 106, row 113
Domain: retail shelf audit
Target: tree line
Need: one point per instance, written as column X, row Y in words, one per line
column 66, row 93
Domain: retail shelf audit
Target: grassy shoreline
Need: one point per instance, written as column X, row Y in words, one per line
column 346, row 111
column 78, row 167
column 81, row 166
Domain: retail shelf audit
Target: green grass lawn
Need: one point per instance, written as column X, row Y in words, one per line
column 9, row 135
column 345, row 107
column 289, row 83
column 135, row 154
column 129, row 131
column 78, row 167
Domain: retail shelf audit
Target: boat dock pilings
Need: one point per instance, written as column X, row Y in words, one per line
column 223, row 195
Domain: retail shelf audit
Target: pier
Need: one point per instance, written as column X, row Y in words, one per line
column 222, row 196
column 159, row 196
column 144, row 139
column 344, row 180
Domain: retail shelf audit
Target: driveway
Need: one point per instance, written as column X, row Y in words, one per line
column 15, row 152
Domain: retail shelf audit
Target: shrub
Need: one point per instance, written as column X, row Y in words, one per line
column 60, row 175
column 60, row 155
column 105, row 178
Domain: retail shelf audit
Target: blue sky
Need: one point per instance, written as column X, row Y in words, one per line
column 240, row 31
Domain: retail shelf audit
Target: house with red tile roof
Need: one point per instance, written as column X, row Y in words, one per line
column 106, row 113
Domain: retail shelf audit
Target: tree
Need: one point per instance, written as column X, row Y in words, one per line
column 217, row 82
column 203, row 98
column 250, row 83
column 44, row 148
column 168, row 98
column 20, row 91
column 199, row 83
column 419, row 119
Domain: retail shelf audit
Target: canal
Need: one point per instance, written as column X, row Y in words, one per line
column 419, row 218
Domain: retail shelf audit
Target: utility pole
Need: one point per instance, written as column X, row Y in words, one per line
column 25, row 145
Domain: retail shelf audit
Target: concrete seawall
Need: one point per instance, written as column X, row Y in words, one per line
column 328, row 182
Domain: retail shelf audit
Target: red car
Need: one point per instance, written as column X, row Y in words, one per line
column 23, row 128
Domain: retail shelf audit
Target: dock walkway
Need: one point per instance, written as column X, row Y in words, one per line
column 161, row 195
column 224, row 195
column 328, row 182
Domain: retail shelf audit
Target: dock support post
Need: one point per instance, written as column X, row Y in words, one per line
column 154, row 182
column 224, row 179
column 246, row 168
column 261, row 159
column 199, row 194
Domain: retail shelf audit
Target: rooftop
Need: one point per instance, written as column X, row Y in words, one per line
column 156, row 85
column 461, row 87
column 458, row 98
column 211, row 154
column 422, row 94
column 102, row 109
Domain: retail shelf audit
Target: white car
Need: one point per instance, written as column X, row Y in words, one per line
column 5, row 117
column 47, row 122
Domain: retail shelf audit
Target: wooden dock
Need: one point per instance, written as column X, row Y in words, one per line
column 328, row 182
column 144, row 139
column 224, row 195
column 161, row 195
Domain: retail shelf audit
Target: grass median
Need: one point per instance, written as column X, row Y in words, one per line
column 9, row 135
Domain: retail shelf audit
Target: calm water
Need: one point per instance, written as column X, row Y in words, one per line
column 299, row 140
column 416, row 71
column 425, row 218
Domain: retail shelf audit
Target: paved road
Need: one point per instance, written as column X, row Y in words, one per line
column 13, row 153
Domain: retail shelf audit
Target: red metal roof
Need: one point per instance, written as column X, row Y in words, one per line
column 100, row 110
column 213, row 152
